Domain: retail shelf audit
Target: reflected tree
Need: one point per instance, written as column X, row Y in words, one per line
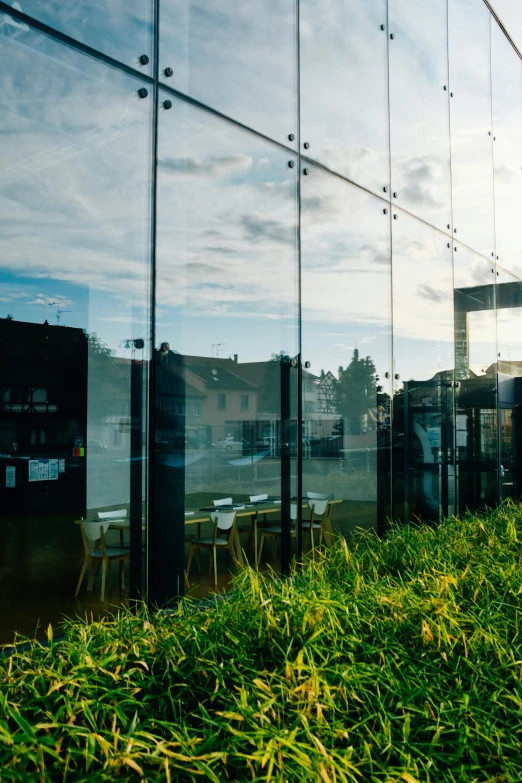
column 356, row 393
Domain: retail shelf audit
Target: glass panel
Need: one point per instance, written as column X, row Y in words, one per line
column 471, row 139
column 423, row 348
column 346, row 337
column 507, row 124
column 509, row 323
column 509, row 14
column 509, row 326
column 419, row 109
column 237, row 56
column 344, row 101
column 122, row 29
column 75, row 168
column 226, row 330
column 476, row 376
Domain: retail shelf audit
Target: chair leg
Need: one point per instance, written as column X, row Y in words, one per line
column 104, row 571
column 82, row 574
column 198, row 561
column 189, row 563
column 122, row 576
column 214, row 553
column 312, row 542
column 274, row 547
column 94, row 573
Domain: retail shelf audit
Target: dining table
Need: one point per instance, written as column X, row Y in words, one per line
column 260, row 509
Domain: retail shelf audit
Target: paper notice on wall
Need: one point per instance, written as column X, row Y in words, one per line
column 43, row 470
column 10, row 476
column 462, row 438
column 34, row 473
column 61, row 466
column 53, row 470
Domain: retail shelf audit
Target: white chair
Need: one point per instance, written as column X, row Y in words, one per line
column 255, row 516
column 119, row 516
column 275, row 532
column 319, row 516
column 240, row 529
column 98, row 553
column 223, row 538
column 222, row 502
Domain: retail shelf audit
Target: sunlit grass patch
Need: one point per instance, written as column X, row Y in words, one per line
column 382, row 660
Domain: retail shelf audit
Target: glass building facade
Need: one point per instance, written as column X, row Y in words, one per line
column 261, row 279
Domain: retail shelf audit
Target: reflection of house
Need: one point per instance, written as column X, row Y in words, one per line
column 327, row 390
column 311, row 395
column 200, row 399
column 230, row 397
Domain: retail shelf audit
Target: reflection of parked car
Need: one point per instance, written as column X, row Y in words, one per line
column 269, row 442
column 228, row 443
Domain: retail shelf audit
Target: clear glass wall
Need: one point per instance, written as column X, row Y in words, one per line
column 273, row 245
column 346, row 348
column 226, row 337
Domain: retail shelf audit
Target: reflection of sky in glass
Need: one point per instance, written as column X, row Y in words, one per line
column 74, row 190
column 343, row 79
column 346, row 280
column 471, row 140
column 509, row 324
column 507, row 124
column 482, row 341
column 474, row 279
column 422, row 300
column 509, row 14
column 227, row 222
column 419, row 109
column 237, row 56
column 120, row 28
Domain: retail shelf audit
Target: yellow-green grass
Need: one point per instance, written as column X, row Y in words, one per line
column 381, row 660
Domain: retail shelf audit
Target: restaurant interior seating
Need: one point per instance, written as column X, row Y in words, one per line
column 97, row 554
column 224, row 537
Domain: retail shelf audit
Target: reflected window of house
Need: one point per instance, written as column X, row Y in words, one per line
column 244, row 402
column 221, row 401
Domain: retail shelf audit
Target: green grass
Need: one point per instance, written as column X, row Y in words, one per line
column 393, row 660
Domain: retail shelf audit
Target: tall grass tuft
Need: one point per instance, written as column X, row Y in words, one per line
column 381, row 660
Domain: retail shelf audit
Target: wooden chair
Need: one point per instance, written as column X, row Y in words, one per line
column 240, row 528
column 275, row 532
column 319, row 521
column 225, row 537
column 119, row 516
column 98, row 553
